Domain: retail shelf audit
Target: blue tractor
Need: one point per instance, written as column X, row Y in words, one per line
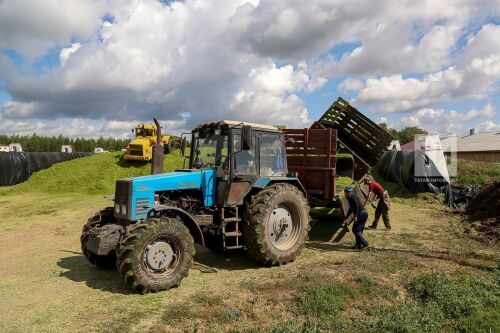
column 236, row 194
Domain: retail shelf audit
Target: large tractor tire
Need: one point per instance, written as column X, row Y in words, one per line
column 155, row 255
column 277, row 224
column 99, row 219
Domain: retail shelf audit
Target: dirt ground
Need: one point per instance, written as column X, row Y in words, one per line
column 46, row 285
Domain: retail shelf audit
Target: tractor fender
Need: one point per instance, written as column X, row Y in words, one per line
column 187, row 220
column 263, row 182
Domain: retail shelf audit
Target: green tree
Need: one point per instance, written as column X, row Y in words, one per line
column 407, row 134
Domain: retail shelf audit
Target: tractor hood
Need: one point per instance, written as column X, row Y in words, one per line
column 138, row 192
column 141, row 141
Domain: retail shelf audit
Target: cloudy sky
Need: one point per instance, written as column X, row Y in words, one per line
column 97, row 67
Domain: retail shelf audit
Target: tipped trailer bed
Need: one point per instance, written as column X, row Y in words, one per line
column 312, row 151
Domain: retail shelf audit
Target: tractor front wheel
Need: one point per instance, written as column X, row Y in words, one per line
column 277, row 224
column 155, row 255
column 99, row 219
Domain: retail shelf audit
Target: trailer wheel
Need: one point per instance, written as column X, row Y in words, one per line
column 155, row 255
column 167, row 148
column 100, row 218
column 277, row 224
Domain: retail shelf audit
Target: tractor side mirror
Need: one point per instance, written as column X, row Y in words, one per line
column 247, row 137
column 183, row 145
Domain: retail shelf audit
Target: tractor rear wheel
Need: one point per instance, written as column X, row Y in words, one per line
column 155, row 255
column 99, row 219
column 278, row 223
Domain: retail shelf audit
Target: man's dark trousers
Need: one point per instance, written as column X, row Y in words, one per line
column 383, row 210
column 358, row 228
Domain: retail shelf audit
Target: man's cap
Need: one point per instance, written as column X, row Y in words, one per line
column 348, row 189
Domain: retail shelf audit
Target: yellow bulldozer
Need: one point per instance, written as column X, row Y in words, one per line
column 141, row 148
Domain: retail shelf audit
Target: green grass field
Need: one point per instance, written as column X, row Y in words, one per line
column 91, row 175
column 424, row 275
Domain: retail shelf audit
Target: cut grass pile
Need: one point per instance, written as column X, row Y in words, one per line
column 95, row 174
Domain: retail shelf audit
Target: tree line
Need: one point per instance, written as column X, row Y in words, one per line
column 405, row 135
column 37, row 143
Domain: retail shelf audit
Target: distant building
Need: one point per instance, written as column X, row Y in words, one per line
column 15, row 147
column 99, row 150
column 66, row 149
column 395, row 145
column 408, row 146
column 4, row 148
column 477, row 147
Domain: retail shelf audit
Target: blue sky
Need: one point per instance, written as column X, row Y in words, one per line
column 90, row 68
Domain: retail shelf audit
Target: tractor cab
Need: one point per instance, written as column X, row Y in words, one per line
column 239, row 150
column 145, row 131
column 243, row 156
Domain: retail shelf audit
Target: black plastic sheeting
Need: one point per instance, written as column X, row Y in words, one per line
column 399, row 167
column 458, row 197
column 15, row 167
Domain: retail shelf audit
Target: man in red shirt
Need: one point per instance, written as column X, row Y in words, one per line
column 384, row 202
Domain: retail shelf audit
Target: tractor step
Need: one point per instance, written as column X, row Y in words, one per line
column 234, row 247
column 232, row 234
column 231, row 239
column 231, row 219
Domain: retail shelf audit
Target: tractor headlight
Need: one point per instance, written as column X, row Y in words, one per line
column 117, row 208
column 124, row 209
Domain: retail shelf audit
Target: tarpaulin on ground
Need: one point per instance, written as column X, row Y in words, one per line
column 412, row 170
column 17, row 167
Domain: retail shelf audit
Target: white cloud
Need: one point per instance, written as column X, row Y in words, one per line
column 79, row 127
column 390, row 48
column 483, row 44
column 440, row 121
column 249, row 60
column 67, row 52
column 6, row 66
column 32, row 27
column 397, row 94
column 487, row 126
column 350, row 84
column 136, row 68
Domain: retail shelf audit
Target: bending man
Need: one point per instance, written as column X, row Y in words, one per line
column 384, row 202
column 360, row 216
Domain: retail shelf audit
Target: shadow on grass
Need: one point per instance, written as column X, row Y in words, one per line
column 327, row 226
column 435, row 255
column 207, row 261
column 79, row 270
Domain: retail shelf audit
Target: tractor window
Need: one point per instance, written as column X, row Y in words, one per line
column 272, row 157
column 210, row 150
column 244, row 160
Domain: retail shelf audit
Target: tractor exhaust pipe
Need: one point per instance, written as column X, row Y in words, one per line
column 158, row 152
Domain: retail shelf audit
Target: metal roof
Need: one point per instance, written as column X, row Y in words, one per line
column 480, row 142
column 408, row 146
